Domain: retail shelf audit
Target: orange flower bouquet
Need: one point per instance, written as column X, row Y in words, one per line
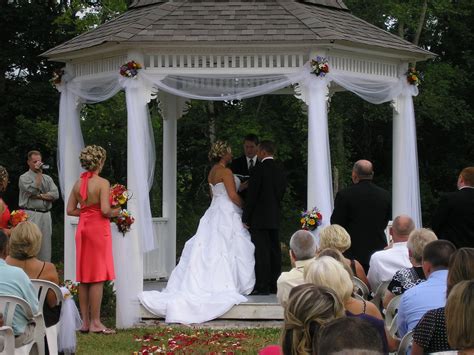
column 18, row 216
column 310, row 220
column 124, row 221
column 119, row 195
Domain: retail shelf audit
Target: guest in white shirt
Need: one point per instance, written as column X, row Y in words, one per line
column 302, row 252
column 385, row 263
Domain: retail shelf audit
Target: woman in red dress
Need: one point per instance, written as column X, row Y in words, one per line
column 94, row 259
column 4, row 211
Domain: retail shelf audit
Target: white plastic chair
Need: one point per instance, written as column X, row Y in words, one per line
column 43, row 286
column 405, row 343
column 361, row 288
column 6, row 333
column 392, row 309
column 380, row 294
column 8, row 305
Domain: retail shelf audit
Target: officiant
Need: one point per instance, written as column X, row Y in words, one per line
column 243, row 165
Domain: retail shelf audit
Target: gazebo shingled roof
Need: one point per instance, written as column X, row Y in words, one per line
column 190, row 22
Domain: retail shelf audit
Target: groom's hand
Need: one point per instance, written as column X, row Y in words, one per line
column 244, row 186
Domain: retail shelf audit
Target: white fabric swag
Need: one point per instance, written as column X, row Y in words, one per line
column 75, row 91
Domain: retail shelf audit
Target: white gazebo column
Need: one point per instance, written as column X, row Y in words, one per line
column 320, row 193
column 70, row 143
column 171, row 109
column 405, row 185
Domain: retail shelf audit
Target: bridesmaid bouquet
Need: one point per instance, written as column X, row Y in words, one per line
column 18, row 216
column 119, row 195
column 310, row 220
column 124, row 221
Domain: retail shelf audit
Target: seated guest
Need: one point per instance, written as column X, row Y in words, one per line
column 385, row 263
column 430, row 294
column 409, row 277
column 459, row 317
column 430, row 333
column 25, row 244
column 14, row 282
column 335, row 236
column 326, row 271
column 348, row 335
column 309, row 308
column 302, row 252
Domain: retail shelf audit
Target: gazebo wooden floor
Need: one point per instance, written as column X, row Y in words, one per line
column 256, row 308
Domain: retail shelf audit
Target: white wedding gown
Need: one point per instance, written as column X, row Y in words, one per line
column 215, row 270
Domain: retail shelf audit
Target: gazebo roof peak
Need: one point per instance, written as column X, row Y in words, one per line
column 231, row 23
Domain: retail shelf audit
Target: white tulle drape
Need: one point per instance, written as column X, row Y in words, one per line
column 141, row 158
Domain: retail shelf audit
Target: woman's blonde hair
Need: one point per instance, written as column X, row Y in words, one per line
column 459, row 311
column 92, row 156
column 417, row 240
column 327, row 271
column 309, row 307
column 335, row 236
column 25, row 241
column 3, row 178
column 218, row 150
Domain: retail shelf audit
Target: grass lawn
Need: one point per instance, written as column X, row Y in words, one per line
column 178, row 340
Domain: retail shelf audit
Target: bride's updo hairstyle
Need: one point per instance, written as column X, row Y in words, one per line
column 91, row 157
column 218, row 150
column 3, row 178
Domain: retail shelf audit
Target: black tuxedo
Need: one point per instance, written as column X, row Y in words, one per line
column 364, row 210
column 239, row 166
column 454, row 218
column 261, row 212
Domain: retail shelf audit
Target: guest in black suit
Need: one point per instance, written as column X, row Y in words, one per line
column 454, row 218
column 364, row 210
column 244, row 164
column 261, row 214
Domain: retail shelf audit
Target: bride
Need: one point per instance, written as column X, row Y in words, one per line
column 216, row 267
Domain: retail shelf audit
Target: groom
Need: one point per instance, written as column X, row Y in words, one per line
column 261, row 215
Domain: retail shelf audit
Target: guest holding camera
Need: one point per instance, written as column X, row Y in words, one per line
column 37, row 193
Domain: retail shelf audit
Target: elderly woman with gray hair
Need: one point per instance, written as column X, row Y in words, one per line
column 409, row 277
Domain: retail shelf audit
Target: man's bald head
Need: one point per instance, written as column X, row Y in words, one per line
column 402, row 226
column 362, row 170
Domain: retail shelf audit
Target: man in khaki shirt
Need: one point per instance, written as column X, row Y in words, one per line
column 37, row 193
column 302, row 252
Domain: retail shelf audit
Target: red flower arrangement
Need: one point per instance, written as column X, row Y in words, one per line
column 72, row 287
column 130, row 69
column 414, row 77
column 18, row 216
column 124, row 221
column 119, row 195
column 57, row 77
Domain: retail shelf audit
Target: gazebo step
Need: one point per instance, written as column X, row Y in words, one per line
column 256, row 307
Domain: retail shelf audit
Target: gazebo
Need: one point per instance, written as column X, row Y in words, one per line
column 225, row 50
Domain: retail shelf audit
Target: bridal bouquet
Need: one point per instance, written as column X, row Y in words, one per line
column 311, row 219
column 119, row 195
column 124, row 221
column 18, row 216
column 319, row 66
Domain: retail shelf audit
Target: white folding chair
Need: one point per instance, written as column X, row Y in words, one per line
column 360, row 288
column 405, row 343
column 43, row 286
column 8, row 305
